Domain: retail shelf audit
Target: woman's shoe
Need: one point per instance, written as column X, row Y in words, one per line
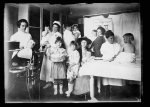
column 47, row 85
column 55, row 92
column 60, row 89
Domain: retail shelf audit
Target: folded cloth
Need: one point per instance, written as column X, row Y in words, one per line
column 124, row 57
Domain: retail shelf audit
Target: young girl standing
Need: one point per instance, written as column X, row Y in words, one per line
column 58, row 70
column 73, row 68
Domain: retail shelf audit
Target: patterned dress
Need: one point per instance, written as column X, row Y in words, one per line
column 73, row 68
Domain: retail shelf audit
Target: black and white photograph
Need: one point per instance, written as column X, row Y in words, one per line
column 73, row 53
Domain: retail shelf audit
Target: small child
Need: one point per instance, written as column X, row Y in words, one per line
column 76, row 32
column 128, row 50
column 128, row 46
column 73, row 68
column 58, row 70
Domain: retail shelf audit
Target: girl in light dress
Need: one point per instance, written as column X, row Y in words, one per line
column 57, row 55
column 73, row 67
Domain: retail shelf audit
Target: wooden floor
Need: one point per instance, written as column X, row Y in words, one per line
column 19, row 92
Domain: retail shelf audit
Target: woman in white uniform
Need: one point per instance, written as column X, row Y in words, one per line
column 110, row 50
column 46, row 64
column 22, row 37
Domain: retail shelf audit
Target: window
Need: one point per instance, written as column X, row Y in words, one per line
column 34, row 24
column 34, row 16
column 55, row 17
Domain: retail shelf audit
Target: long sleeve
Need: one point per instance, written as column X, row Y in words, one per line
column 107, row 50
column 12, row 38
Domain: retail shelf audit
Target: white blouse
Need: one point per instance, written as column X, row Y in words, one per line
column 22, row 37
column 68, row 37
column 85, row 56
column 109, row 50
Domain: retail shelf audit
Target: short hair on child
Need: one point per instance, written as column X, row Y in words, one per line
column 20, row 21
column 129, row 35
column 73, row 43
column 109, row 33
column 59, row 39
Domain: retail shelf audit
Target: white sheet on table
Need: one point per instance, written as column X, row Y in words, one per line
column 128, row 71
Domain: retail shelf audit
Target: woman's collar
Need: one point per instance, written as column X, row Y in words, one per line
column 20, row 31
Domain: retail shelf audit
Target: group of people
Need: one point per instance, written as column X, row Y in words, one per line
column 65, row 54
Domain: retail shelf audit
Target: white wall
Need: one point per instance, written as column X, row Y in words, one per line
column 24, row 13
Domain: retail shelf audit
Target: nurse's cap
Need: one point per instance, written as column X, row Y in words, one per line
column 57, row 22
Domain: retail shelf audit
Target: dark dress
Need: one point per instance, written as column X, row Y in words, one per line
column 96, row 45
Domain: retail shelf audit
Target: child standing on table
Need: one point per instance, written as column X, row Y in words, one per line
column 128, row 46
column 127, row 55
column 58, row 70
column 73, row 68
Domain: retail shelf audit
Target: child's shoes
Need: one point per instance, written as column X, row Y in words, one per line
column 67, row 93
column 55, row 92
column 60, row 91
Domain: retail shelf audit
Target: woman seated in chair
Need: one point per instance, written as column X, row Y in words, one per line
column 82, row 84
column 24, row 55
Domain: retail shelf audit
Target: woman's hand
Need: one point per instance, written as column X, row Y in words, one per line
column 111, row 59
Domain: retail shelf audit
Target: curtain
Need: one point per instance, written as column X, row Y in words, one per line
column 128, row 23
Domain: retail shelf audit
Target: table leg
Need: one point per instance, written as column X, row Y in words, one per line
column 93, row 99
